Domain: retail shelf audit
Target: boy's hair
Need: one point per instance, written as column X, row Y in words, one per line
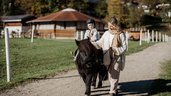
column 90, row 21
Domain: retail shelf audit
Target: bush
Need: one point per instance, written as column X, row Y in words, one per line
column 150, row 20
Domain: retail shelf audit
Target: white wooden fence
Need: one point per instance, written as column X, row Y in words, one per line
column 153, row 36
column 80, row 35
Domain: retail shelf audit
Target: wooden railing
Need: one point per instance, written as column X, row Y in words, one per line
column 56, row 33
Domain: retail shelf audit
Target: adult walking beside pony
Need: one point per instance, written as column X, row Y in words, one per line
column 113, row 43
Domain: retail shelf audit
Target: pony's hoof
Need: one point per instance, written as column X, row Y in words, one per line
column 93, row 87
column 99, row 85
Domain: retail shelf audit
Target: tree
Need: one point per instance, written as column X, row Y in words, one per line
column 36, row 7
column 80, row 5
column 151, row 3
column 135, row 14
column 5, row 7
column 1, row 7
column 43, row 7
column 113, row 8
column 150, row 20
column 101, row 8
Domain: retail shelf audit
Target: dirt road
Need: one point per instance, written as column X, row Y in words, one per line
column 141, row 70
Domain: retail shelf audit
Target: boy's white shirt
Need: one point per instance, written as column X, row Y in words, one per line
column 93, row 35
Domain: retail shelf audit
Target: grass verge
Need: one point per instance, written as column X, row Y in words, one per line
column 162, row 86
column 30, row 60
column 134, row 47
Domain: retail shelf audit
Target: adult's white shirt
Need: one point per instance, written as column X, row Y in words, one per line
column 105, row 42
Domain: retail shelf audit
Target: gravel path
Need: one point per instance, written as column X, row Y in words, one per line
column 141, row 70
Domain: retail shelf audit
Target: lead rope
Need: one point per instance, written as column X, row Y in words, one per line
column 112, row 58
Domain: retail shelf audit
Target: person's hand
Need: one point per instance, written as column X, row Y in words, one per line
column 115, row 51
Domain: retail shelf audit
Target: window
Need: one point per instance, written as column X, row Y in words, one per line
column 46, row 26
column 59, row 25
column 70, row 25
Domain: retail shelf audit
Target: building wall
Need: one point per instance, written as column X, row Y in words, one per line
column 13, row 24
column 56, row 33
column 25, row 29
column 136, row 35
column 16, row 29
column 61, row 29
column 56, row 29
column 56, row 25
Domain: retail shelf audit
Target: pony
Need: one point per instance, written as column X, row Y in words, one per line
column 89, row 63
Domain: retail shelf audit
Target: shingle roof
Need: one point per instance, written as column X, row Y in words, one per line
column 68, row 14
column 15, row 18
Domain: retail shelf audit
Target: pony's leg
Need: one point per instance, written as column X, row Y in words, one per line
column 100, row 80
column 83, row 77
column 88, row 84
column 103, row 74
column 94, row 80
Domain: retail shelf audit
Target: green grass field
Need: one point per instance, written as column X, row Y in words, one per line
column 134, row 47
column 41, row 58
column 162, row 86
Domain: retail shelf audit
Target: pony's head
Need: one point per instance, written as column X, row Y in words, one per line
column 87, row 51
column 85, row 46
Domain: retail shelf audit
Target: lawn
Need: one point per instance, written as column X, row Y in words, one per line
column 28, row 60
column 41, row 58
column 134, row 47
column 162, row 86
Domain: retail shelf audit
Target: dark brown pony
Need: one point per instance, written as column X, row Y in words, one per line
column 89, row 64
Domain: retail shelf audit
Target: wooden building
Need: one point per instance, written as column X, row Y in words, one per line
column 134, row 33
column 67, row 23
column 16, row 25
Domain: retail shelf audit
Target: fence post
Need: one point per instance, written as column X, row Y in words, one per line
column 32, row 33
column 82, row 35
column 145, row 36
column 148, row 36
column 7, row 54
column 163, row 39
column 140, row 43
column 152, row 35
column 156, row 36
column 127, row 38
column 159, row 36
column 76, row 35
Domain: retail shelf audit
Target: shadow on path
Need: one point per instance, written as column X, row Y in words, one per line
column 135, row 87
column 139, row 88
column 62, row 77
column 160, row 86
